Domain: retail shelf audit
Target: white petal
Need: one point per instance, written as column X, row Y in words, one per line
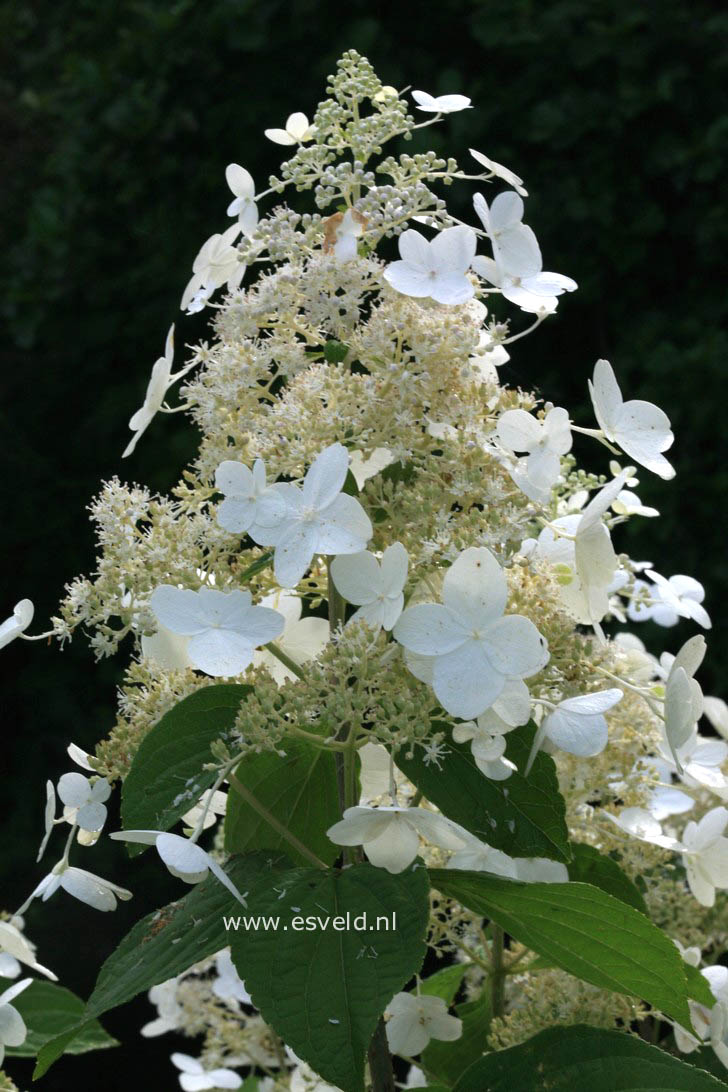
column 465, row 682
column 430, row 630
column 408, row 279
column 343, row 527
column 454, row 249
column 360, row 825
column 475, row 588
column 179, row 609
column 325, row 477
column 579, row 734
column 515, row 647
column 395, row 848
column 279, row 136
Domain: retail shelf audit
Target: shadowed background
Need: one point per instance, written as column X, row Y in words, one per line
column 117, row 122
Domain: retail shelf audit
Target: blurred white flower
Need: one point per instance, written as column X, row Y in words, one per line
column 376, row 587
column 683, row 696
column 14, row 945
column 212, row 803
column 216, row 264
column 391, row 836
column 341, row 232
column 705, row 855
column 194, row 1077
column 159, row 383
column 13, row 1031
column 227, row 984
column 440, row 104
column 170, row 1015
column 243, row 206
column 302, row 638
column 224, row 627
column 486, row 735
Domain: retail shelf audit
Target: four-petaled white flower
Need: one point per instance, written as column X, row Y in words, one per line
column 516, row 267
column 17, row 623
column 84, row 803
column 683, row 696
column 298, row 130
column 577, row 725
column 243, row 206
column 545, row 441
column 183, row 858
column 14, row 945
column 701, row 760
column 434, row 269
column 414, row 1020
column 318, row 518
column 248, row 498
column 93, row 890
column 302, row 639
column 377, row 588
column 679, row 596
column 194, row 1077
column 500, row 171
column 640, row 428
column 705, row 855
column 440, row 104
column 474, row 647
column 224, row 628
column 216, row 264
column 13, row 1031
column 479, row 857
column 640, row 823
column 486, row 735
column 391, row 836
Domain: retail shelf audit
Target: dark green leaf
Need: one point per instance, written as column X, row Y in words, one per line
column 448, row 1060
column 522, row 817
column 50, row 1010
column 588, row 865
column 323, row 990
column 166, row 777
column 584, row 931
column 335, row 351
column 299, row 789
column 168, row 941
column 444, row 983
column 569, row 1058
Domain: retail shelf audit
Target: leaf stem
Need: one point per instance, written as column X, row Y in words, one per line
column 497, row 971
column 284, row 658
column 279, row 827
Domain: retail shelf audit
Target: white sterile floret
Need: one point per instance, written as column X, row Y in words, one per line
column 516, row 267
column 434, row 269
column 93, row 890
column 640, row 428
column 577, row 725
column 415, row 1020
column 440, row 104
column 211, row 804
column 342, row 232
column 499, row 171
column 216, row 264
column 302, row 638
column 705, row 855
column 84, row 802
column 640, row 823
column 159, row 383
column 629, row 504
column 297, row 130
column 473, row 647
column 683, row 696
column 17, row 623
column 509, row 711
column 227, row 983
column 14, row 945
column 170, row 1015
column 391, row 836
column 248, row 498
column 716, row 711
column 375, row 587
column 243, row 206
column 545, row 441
column 377, row 772
column 318, row 518
column 80, row 757
column 585, row 553
column 194, row 1077
column 224, row 627
column 183, row 858
column 364, row 467
column 679, row 596
column 13, row 1031
column 700, row 761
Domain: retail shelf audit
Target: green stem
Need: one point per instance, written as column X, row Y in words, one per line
column 337, row 613
column 497, row 971
column 285, row 659
column 279, row 827
column 257, row 567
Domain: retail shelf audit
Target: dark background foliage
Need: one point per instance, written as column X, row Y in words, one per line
column 116, row 123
